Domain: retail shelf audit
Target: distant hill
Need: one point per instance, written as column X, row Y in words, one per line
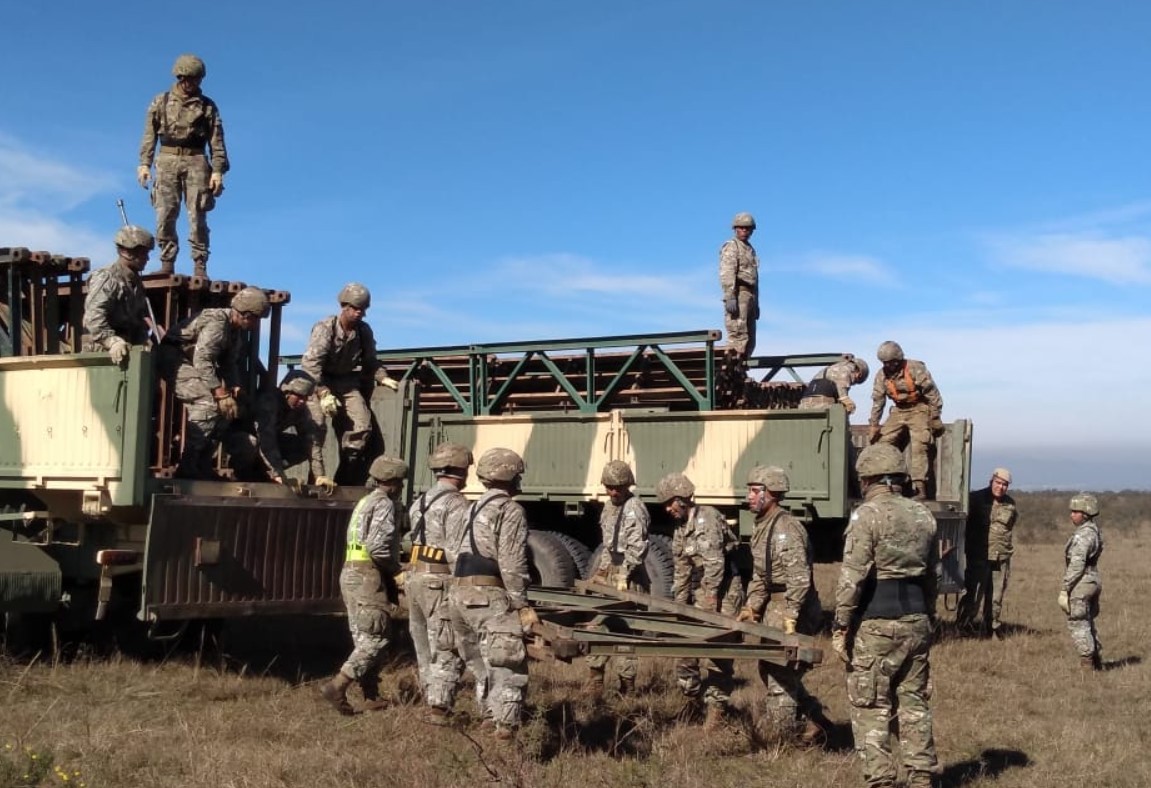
column 1044, row 516
column 1064, row 468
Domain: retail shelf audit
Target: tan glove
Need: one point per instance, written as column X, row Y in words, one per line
column 621, row 582
column 937, row 427
column 326, row 484
column 228, row 407
column 839, row 645
column 292, row 484
column 387, row 381
column 746, row 614
column 400, row 578
column 119, row 350
column 873, row 433
column 528, row 617
column 329, row 404
column 789, row 626
column 143, row 175
column 848, row 404
column 216, row 183
column 1064, row 603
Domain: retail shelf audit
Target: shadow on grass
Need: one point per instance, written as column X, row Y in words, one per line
column 566, row 726
column 1119, row 664
column 990, row 763
column 949, row 630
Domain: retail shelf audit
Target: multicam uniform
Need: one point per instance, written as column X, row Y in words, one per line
column 781, row 564
column 829, row 386
column 273, row 445
column 345, row 363
column 490, row 586
column 887, row 589
column 1084, row 585
column 916, row 404
column 739, row 277
column 988, row 544
column 706, row 578
column 115, row 306
column 184, row 125
column 624, row 531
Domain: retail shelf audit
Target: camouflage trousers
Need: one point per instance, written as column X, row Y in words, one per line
column 353, row 424
column 182, row 178
column 430, row 625
column 628, row 667
column 740, row 330
column 206, row 425
column 985, row 585
column 911, row 426
column 788, row 701
column 890, row 674
column 1084, row 604
column 369, row 621
column 482, row 614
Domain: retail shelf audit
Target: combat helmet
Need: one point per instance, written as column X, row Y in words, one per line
column 386, row 469
column 251, row 301
column 355, row 294
column 861, row 368
column 189, row 66
column 299, row 383
column 889, row 351
column 500, row 465
column 772, row 478
column 617, row 473
column 131, row 236
column 880, row 459
column 1086, row 503
column 674, row 485
column 743, row 220
column 450, row 455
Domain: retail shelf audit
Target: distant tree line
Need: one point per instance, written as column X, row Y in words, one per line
column 1043, row 516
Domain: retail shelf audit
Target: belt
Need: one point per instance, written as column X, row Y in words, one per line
column 434, row 569
column 749, row 285
column 895, row 598
column 182, row 150
column 908, row 405
column 359, row 563
column 480, row 580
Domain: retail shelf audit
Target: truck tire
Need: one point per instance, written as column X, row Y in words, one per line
column 658, row 564
column 549, row 563
column 579, row 552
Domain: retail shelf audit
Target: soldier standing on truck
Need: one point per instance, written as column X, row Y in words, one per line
column 705, row 576
column 624, row 524
column 115, row 305
column 739, row 280
column 341, row 358
column 988, row 543
column 832, row 384
column 190, row 165
column 200, row 358
column 884, row 619
column 370, row 582
column 1082, row 584
column 488, row 597
column 782, row 594
column 916, row 413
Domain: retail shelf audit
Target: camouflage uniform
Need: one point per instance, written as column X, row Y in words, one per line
column 273, row 445
column 115, row 306
column 184, row 125
column 624, row 531
column 705, row 576
column 484, row 609
column 345, row 363
column 988, row 544
column 917, row 403
column 781, row 563
column 887, row 589
column 1083, row 586
column 739, row 277
column 829, row 386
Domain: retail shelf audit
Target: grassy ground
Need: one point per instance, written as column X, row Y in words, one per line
column 1014, row 713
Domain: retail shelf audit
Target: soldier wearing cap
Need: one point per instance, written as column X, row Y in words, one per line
column 989, row 545
column 370, row 581
column 115, row 304
column 190, row 165
column 739, row 281
column 200, row 358
column 1082, row 583
column 832, row 385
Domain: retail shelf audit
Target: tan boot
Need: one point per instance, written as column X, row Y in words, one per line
column 920, row 491
column 812, row 734
column 920, row 780
column 1089, row 663
column 335, row 692
column 200, row 269
column 370, row 687
column 716, row 714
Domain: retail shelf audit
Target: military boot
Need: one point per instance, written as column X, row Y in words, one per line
column 920, row 491
column 167, row 267
column 920, row 780
column 370, row 687
column 335, row 692
column 627, row 685
column 716, row 714
column 812, row 734
column 200, row 268
column 1090, row 663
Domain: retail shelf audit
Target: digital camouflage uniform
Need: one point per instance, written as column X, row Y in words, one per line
column 495, row 528
column 624, row 531
column 184, row 125
column 1083, row 585
column 345, row 363
column 739, row 276
column 706, row 577
column 115, row 306
column 916, row 403
column 782, row 588
column 890, row 565
column 988, row 545
column 829, row 386
column 283, row 437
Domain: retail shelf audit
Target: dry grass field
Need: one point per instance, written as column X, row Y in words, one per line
column 1014, row 713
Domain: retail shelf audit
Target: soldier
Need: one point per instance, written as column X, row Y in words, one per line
column 370, row 582
column 489, row 604
column 781, row 561
column 341, row 358
column 1082, row 584
column 915, row 414
column 200, row 358
column 705, row 577
column 991, row 517
column 739, row 280
column 185, row 122
column 115, row 306
column 623, row 524
column 428, row 579
column 832, row 384
column 884, row 618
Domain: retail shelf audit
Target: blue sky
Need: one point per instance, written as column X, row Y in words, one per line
column 971, row 179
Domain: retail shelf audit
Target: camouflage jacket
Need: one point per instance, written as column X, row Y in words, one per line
column 115, row 306
column 431, row 513
column 335, row 353
column 990, row 526
column 377, row 523
column 910, row 385
column 212, row 344
column 272, row 418
column 495, row 527
column 1081, row 556
column 781, row 561
column 841, row 373
column 624, row 532
column 738, row 263
column 700, row 549
column 181, row 120
column 888, row 537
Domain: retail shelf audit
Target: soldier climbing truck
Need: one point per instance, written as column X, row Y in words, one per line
column 93, row 526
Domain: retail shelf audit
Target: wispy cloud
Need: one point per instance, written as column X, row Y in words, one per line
column 1120, row 260
column 852, row 268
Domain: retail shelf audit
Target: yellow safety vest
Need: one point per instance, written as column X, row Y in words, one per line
column 356, row 551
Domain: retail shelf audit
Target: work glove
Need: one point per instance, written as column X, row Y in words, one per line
column 400, row 578
column 329, row 404
column 292, row 484
column 731, row 305
column 326, row 484
column 621, row 582
column 216, row 183
column 119, row 350
column 937, row 427
column 839, row 645
column 789, row 626
column 143, row 175
column 386, row 380
column 528, row 617
column 873, row 433
column 746, row 614
column 1064, row 603
column 228, row 407
column 848, row 404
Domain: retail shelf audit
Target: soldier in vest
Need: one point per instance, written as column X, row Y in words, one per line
column 115, row 305
column 989, row 545
column 370, row 582
column 1082, row 584
column 916, row 410
column 739, row 281
column 833, row 384
column 488, row 597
